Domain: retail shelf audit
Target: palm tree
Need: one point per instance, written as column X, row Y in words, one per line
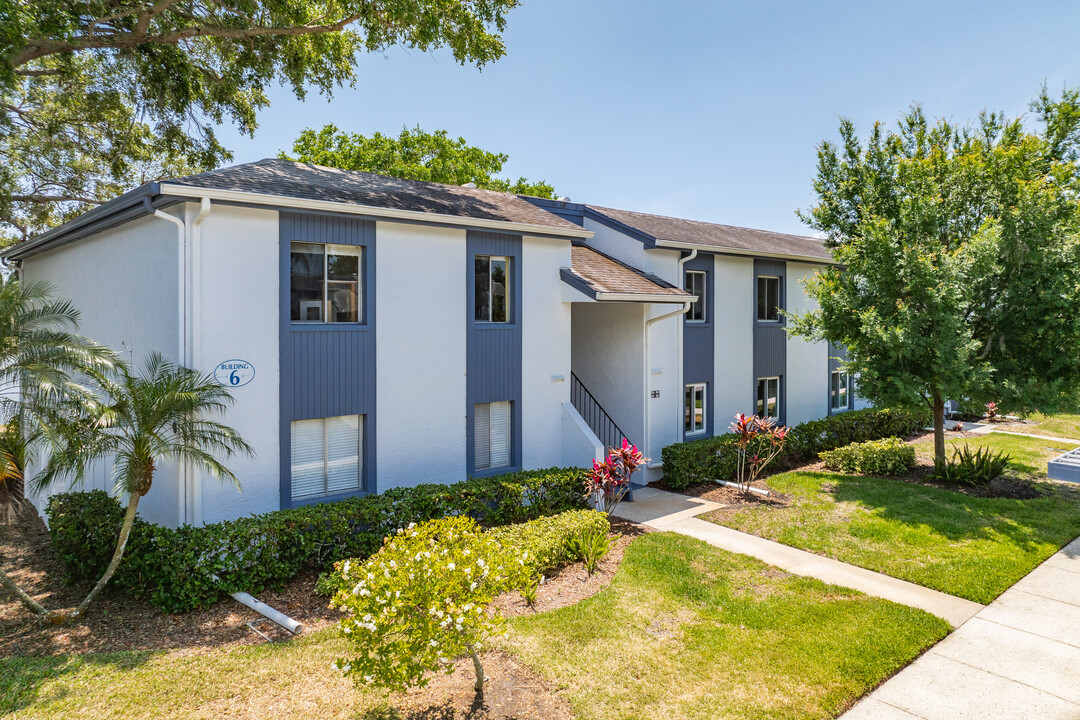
column 42, row 366
column 161, row 414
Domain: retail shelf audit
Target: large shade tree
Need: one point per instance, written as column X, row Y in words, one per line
column 98, row 96
column 413, row 155
column 959, row 252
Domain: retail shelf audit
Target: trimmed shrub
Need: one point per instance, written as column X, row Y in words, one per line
column 715, row 458
column 549, row 540
column 173, row 567
column 888, row 456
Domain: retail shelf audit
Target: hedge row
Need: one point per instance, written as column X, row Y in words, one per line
column 547, row 539
column 172, row 567
column 714, row 458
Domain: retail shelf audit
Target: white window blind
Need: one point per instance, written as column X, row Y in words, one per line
column 326, row 456
column 491, row 435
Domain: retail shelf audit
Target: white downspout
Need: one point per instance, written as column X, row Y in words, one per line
column 647, row 441
column 195, row 359
column 181, row 269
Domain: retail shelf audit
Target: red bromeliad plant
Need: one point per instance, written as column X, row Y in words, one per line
column 992, row 411
column 758, row 441
column 609, row 481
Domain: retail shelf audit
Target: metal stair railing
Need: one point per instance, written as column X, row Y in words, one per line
column 593, row 413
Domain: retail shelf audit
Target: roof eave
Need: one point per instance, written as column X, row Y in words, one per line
column 674, row 245
column 237, row 196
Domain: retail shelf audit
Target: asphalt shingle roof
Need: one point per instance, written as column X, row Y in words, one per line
column 314, row 182
column 712, row 235
column 606, row 275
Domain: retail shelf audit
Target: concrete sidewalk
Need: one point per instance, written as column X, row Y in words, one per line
column 1018, row 658
column 677, row 513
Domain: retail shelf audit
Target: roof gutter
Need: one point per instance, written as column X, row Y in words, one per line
column 740, row 251
column 634, row 297
column 282, row 201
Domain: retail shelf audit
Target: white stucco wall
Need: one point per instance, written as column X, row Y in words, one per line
column 580, row 446
column 420, row 354
column 545, row 351
column 807, row 362
column 124, row 283
column 239, row 320
column 609, row 358
column 734, row 338
column 662, row 263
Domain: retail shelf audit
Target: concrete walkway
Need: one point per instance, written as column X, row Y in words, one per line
column 677, row 513
column 1018, row 658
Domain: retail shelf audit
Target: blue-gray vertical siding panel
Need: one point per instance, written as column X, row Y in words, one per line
column 327, row 369
column 837, row 356
column 770, row 338
column 493, row 363
column 698, row 340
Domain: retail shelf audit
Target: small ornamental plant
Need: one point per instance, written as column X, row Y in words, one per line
column 609, row 481
column 992, row 411
column 422, row 601
column 757, row 443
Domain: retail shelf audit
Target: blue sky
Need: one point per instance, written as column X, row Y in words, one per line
column 706, row 110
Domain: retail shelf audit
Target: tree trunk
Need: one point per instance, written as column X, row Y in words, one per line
column 121, row 543
column 31, row 604
column 938, row 405
column 478, row 686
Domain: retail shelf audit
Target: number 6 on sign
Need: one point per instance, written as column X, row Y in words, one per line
column 234, row 373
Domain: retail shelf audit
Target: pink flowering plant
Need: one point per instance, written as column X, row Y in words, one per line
column 422, row 601
column 757, row 443
column 992, row 411
column 609, row 481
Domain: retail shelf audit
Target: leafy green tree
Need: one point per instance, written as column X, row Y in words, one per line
column 960, row 259
column 412, row 155
column 164, row 413
column 98, row 96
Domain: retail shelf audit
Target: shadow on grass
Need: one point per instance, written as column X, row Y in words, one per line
column 22, row 678
column 1052, row 518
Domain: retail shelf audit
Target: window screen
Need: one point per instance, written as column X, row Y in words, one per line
column 326, row 456
column 491, row 435
column 695, row 285
column 768, row 298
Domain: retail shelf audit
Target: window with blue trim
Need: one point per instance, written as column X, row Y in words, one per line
column 325, row 285
column 492, row 289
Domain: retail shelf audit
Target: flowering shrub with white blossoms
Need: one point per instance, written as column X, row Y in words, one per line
column 422, row 601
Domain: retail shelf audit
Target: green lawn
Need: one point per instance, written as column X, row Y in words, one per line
column 1029, row 455
column 1065, row 426
column 967, row 546
column 689, row 631
column 685, row 630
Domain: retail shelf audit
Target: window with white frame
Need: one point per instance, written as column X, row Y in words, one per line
column 768, row 298
column 492, row 292
column 491, row 435
column 694, row 409
column 839, row 390
column 325, row 283
column 326, row 456
column 768, row 397
column 695, row 285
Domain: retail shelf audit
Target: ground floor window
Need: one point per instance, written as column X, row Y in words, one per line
column 768, row 397
column 491, row 435
column 839, row 390
column 326, row 456
column 694, row 409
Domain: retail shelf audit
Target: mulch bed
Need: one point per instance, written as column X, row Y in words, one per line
column 115, row 622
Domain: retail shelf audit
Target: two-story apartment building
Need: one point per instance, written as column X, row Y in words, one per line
column 378, row 332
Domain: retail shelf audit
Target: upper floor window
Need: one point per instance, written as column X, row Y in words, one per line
column 768, row 298
column 325, row 283
column 695, row 285
column 839, row 390
column 492, row 288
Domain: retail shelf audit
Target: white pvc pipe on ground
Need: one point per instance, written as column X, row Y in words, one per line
column 728, row 483
column 265, row 610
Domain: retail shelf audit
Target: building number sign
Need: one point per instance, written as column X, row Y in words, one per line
column 234, row 373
